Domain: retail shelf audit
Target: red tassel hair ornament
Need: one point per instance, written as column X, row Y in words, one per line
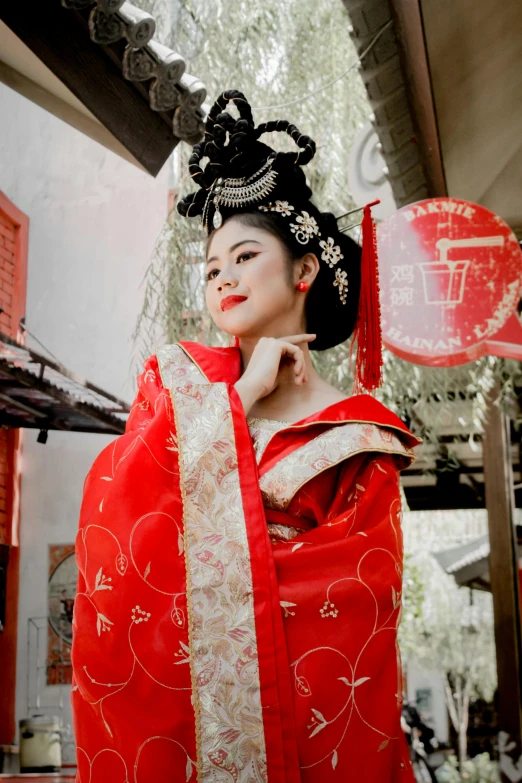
column 367, row 334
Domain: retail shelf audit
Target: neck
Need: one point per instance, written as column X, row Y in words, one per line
column 286, row 374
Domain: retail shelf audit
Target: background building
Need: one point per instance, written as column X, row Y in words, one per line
column 93, row 222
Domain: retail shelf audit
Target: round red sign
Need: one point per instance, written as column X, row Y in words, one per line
column 450, row 276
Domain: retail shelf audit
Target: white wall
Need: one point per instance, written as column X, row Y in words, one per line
column 437, row 716
column 94, row 219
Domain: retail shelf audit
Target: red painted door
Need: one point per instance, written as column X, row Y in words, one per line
column 14, row 226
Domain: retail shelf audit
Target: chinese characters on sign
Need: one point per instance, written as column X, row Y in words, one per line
column 451, row 279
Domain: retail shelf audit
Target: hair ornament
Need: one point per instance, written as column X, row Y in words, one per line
column 341, row 280
column 306, row 228
column 244, row 175
column 283, row 207
column 331, row 254
column 239, row 192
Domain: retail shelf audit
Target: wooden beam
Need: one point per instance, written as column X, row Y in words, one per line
column 504, row 571
column 409, row 29
column 64, row 111
column 56, row 36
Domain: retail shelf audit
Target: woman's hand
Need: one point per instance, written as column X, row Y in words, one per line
column 260, row 377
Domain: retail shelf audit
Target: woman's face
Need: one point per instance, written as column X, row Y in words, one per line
column 249, row 291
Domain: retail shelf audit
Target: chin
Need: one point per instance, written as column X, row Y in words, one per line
column 236, row 325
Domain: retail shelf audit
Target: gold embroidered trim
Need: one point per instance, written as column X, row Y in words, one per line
column 262, row 431
column 278, row 532
column 176, row 366
column 227, row 691
column 190, row 607
column 289, row 426
column 340, row 422
column 280, row 483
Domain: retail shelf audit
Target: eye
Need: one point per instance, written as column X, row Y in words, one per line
column 246, row 256
column 212, row 274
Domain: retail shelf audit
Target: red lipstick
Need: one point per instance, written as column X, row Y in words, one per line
column 232, row 301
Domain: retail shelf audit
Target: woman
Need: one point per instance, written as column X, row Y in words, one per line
column 240, row 551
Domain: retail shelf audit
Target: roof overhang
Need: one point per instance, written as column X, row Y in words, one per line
column 37, row 393
column 468, row 563
column 111, row 81
column 444, row 82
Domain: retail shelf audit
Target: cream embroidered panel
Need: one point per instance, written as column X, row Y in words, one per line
column 223, row 643
column 280, row 483
column 262, row 432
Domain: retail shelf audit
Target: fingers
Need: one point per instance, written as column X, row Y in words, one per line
column 297, row 355
column 295, row 339
column 290, row 344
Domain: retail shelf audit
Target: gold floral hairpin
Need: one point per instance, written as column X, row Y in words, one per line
column 305, row 229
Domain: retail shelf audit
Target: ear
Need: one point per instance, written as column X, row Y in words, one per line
column 307, row 268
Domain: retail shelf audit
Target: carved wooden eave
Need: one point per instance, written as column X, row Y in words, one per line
column 37, row 393
column 102, row 53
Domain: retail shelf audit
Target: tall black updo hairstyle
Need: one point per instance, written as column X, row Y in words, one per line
column 235, row 153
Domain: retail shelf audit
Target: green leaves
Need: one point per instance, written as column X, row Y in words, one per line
column 274, row 52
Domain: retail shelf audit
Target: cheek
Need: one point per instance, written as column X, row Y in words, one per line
column 268, row 283
column 211, row 295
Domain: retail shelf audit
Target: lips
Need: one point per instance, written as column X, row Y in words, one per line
column 231, row 301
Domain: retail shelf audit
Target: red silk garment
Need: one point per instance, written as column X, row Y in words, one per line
column 205, row 649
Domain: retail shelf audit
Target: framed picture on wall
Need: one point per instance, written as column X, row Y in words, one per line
column 63, row 576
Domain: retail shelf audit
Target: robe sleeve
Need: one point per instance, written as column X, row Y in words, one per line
column 367, row 490
column 102, row 473
column 129, row 625
column 177, row 628
column 143, row 410
column 340, row 586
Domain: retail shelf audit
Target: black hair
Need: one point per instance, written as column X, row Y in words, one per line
column 234, row 151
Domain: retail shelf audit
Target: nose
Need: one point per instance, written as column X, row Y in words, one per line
column 228, row 277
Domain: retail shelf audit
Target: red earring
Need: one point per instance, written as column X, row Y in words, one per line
column 303, row 286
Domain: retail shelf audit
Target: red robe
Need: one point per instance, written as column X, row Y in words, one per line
column 237, row 609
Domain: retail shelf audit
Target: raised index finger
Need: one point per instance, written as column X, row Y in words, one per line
column 295, row 339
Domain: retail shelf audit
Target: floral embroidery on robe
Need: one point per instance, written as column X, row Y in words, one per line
column 240, row 589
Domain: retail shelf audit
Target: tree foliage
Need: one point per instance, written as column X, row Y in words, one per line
column 277, row 52
column 478, row 770
column 448, row 629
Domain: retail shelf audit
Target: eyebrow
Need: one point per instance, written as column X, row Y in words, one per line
column 234, row 247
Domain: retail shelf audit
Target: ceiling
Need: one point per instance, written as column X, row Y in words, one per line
column 444, row 80
column 474, row 50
